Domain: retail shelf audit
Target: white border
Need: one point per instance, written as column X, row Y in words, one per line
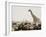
column 8, row 18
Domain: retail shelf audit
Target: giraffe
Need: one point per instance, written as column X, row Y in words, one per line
column 36, row 20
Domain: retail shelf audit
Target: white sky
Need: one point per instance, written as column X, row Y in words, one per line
column 20, row 13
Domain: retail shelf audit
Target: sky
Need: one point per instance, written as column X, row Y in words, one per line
column 20, row 13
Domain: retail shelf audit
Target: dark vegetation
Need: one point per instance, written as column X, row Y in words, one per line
column 25, row 26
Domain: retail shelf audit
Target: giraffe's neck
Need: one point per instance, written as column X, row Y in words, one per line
column 33, row 15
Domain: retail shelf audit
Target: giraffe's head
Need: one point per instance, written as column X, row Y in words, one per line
column 30, row 10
